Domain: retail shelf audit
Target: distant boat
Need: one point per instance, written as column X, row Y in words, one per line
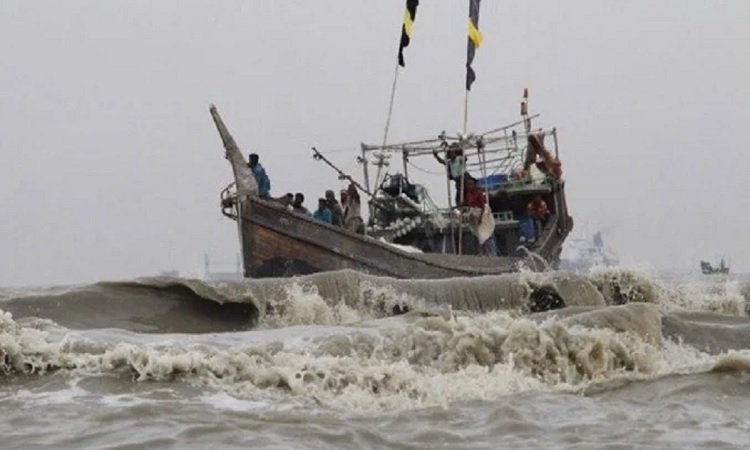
column 582, row 255
column 708, row 269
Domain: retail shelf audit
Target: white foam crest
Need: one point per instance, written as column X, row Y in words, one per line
column 724, row 296
column 303, row 305
column 733, row 361
column 678, row 358
column 620, row 286
column 384, row 298
column 437, row 362
column 431, row 362
column 710, row 294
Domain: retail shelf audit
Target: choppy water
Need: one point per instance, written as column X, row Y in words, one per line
column 323, row 362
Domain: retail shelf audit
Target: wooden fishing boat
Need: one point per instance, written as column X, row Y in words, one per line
column 499, row 222
column 277, row 242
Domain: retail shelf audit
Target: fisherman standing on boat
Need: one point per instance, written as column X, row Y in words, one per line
column 480, row 218
column 264, row 183
column 456, row 164
column 537, row 208
column 352, row 211
column 298, row 206
column 323, row 213
column 337, row 212
column 287, row 200
column 538, row 211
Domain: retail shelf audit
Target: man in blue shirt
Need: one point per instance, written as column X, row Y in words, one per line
column 264, row 183
column 323, row 213
column 456, row 163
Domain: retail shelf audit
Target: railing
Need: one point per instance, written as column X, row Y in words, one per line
column 499, row 151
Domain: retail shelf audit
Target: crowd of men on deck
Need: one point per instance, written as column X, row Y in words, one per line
column 346, row 212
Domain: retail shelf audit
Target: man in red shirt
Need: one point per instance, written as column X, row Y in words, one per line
column 537, row 209
column 475, row 200
column 473, row 196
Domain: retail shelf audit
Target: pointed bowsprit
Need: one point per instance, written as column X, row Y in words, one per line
column 246, row 184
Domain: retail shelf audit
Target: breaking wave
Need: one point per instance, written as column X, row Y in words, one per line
column 337, row 344
column 151, row 304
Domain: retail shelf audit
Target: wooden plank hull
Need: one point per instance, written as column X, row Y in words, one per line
column 279, row 243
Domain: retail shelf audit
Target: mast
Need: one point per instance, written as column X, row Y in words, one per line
column 473, row 42
column 363, row 160
column 410, row 14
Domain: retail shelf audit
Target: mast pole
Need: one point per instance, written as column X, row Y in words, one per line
column 405, row 158
column 388, row 118
column 364, row 166
column 450, row 203
column 525, row 111
column 466, row 110
column 463, row 177
column 390, row 105
column 554, row 136
column 474, row 41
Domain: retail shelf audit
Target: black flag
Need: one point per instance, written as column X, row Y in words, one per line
column 409, row 15
column 475, row 40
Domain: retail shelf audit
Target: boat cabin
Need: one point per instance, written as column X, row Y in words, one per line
column 504, row 163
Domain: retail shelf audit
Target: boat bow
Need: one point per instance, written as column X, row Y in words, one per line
column 243, row 177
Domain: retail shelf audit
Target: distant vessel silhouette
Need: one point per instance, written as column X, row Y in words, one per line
column 708, row 269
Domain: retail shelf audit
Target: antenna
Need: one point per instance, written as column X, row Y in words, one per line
column 525, row 110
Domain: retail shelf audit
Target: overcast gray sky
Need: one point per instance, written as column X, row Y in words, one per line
column 111, row 166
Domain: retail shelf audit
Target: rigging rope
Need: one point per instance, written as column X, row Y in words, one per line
column 429, row 172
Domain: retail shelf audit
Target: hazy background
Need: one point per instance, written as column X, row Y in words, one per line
column 111, row 166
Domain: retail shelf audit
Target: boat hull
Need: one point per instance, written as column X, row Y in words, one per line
column 277, row 242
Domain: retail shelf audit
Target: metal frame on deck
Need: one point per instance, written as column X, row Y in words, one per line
column 492, row 152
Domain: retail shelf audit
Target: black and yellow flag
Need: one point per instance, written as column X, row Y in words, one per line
column 475, row 40
column 410, row 13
